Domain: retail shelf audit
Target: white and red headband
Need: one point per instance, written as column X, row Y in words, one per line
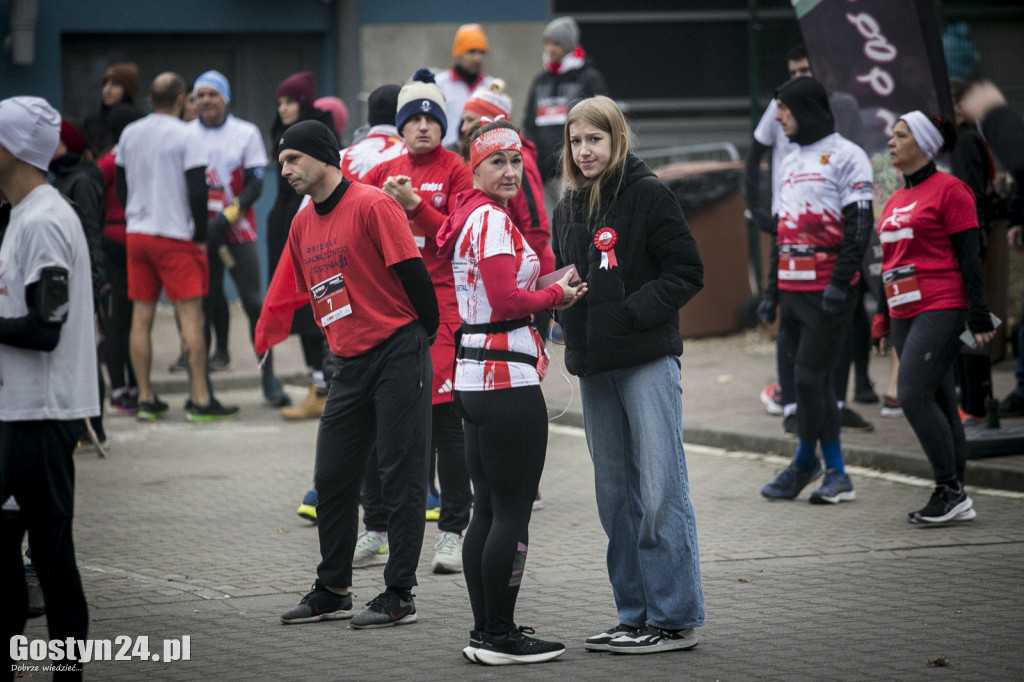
column 496, row 140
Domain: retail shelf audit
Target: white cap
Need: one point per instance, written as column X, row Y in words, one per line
column 29, row 129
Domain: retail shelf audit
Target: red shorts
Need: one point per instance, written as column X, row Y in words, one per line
column 155, row 263
column 442, row 353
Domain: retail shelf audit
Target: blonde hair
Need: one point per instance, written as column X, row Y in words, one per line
column 602, row 113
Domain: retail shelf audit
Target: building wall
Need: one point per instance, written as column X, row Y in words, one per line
column 391, row 53
column 114, row 18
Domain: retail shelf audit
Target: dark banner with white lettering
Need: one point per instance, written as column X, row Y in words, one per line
column 884, row 55
column 878, row 59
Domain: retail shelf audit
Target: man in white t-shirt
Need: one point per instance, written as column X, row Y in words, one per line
column 161, row 180
column 235, row 160
column 48, row 371
column 469, row 49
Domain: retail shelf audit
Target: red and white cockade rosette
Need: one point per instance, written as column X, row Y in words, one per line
column 605, row 241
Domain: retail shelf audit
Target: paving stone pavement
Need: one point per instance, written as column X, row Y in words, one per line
column 190, row 529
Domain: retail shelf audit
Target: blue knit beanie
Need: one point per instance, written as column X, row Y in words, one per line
column 421, row 96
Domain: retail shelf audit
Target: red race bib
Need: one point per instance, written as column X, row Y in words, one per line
column 796, row 262
column 901, row 285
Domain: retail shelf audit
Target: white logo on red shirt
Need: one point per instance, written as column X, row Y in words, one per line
column 899, row 216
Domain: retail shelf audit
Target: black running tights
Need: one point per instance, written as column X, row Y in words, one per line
column 927, row 345
column 506, row 441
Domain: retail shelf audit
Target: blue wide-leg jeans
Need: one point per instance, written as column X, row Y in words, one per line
column 634, row 427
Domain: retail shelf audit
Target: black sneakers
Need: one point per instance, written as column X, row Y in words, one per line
column 387, row 608
column 852, row 421
column 320, row 604
column 211, row 412
column 515, row 647
column 1011, row 406
column 151, row 410
column 600, row 642
column 652, row 640
column 946, row 504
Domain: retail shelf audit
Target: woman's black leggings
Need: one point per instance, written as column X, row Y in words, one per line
column 506, row 441
column 927, row 345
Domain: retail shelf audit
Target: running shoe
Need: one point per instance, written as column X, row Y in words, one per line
column 211, row 412
column 538, row 503
column 835, row 488
column 771, row 397
column 516, row 647
column 966, row 515
column 371, row 549
column 969, row 420
column 1012, row 405
column 36, row 601
column 946, row 504
column 475, row 640
column 273, row 393
column 599, row 642
column 386, row 609
column 652, row 640
column 319, row 604
column 125, row 403
column 151, row 410
column 433, row 506
column 852, row 421
column 790, row 481
column 447, row 553
column 178, row 365
column 864, row 392
column 219, row 361
column 891, row 408
column 307, row 509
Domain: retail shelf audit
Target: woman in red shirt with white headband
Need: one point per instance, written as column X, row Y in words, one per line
column 501, row 361
column 931, row 270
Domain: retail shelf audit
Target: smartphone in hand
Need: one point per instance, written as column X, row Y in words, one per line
column 968, row 336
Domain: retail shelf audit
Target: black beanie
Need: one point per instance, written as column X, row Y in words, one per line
column 808, row 101
column 312, row 138
column 382, row 105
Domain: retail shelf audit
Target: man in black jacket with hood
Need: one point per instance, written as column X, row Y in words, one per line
column 825, row 219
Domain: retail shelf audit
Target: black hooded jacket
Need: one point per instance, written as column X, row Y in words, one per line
column 630, row 314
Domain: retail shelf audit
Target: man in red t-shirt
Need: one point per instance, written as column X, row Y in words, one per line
column 352, row 252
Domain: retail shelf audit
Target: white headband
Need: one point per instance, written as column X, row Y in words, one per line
column 927, row 136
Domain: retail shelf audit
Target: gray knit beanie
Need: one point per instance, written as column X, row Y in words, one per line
column 564, row 31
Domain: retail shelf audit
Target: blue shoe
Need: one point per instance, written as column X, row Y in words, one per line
column 273, row 393
column 790, row 481
column 307, row 509
column 835, row 488
column 433, row 506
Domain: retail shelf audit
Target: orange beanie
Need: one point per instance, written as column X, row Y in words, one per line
column 469, row 37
